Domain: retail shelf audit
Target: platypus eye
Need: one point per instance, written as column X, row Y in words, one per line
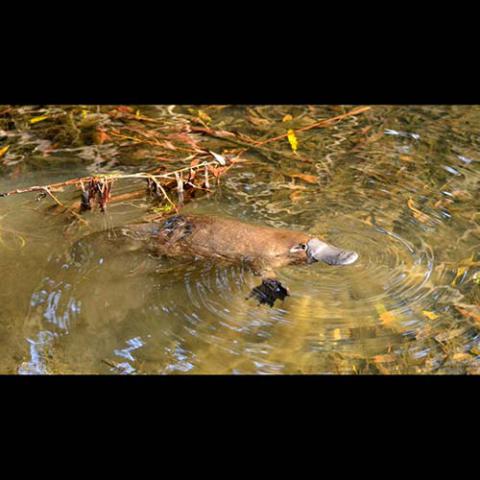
column 298, row 248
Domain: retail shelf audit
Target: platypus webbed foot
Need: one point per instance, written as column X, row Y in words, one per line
column 269, row 291
column 321, row 251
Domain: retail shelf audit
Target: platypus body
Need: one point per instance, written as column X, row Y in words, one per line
column 264, row 248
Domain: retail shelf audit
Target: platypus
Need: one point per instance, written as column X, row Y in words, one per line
column 264, row 248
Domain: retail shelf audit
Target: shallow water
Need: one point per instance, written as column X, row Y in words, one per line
column 398, row 184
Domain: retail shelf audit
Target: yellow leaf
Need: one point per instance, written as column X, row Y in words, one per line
column 163, row 209
column 287, row 118
column 430, row 315
column 137, row 114
column 419, row 215
column 293, row 140
column 306, row 178
column 386, row 317
column 203, row 116
column 84, row 113
column 336, row 334
column 460, row 272
column 38, row 119
column 462, row 357
column 3, row 150
column 475, row 350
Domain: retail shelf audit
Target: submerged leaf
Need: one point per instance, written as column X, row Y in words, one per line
column 462, row 357
column 475, row 316
column 430, row 315
column 305, row 177
column 419, row 215
column 475, row 350
column 460, row 273
column 295, row 196
column 386, row 317
column 386, row 358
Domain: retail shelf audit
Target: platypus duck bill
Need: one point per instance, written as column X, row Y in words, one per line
column 320, row 251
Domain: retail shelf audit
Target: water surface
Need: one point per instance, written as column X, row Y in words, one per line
column 398, row 184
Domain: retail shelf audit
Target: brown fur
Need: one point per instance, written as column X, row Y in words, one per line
column 265, row 248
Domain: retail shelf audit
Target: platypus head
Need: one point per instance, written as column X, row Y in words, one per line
column 317, row 250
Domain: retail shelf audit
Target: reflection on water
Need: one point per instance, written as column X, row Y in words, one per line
column 398, row 185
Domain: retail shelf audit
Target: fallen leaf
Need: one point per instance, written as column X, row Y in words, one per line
column 475, row 350
column 124, row 109
column 292, row 140
column 374, row 137
column 386, row 317
column 100, row 136
column 163, row 209
column 306, row 178
column 137, row 114
column 257, row 121
column 430, row 315
column 219, row 158
column 445, row 336
column 385, row 358
column 38, row 119
column 169, row 145
column 4, row 150
column 468, row 313
column 216, row 171
column 295, row 196
column 224, row 133
column 336, row 334
column 287, row 118
column 419, row 215
column 462, row 357
column 460, row 273
column 462, row 195
column 364, row 130
column 203, row 116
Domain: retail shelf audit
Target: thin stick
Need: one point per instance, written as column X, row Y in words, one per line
column 77, row 181
column 179, row 179
column 213, row 133
column 76, row 215
column 322, row 123
column 164, row 193
column 111, row 364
